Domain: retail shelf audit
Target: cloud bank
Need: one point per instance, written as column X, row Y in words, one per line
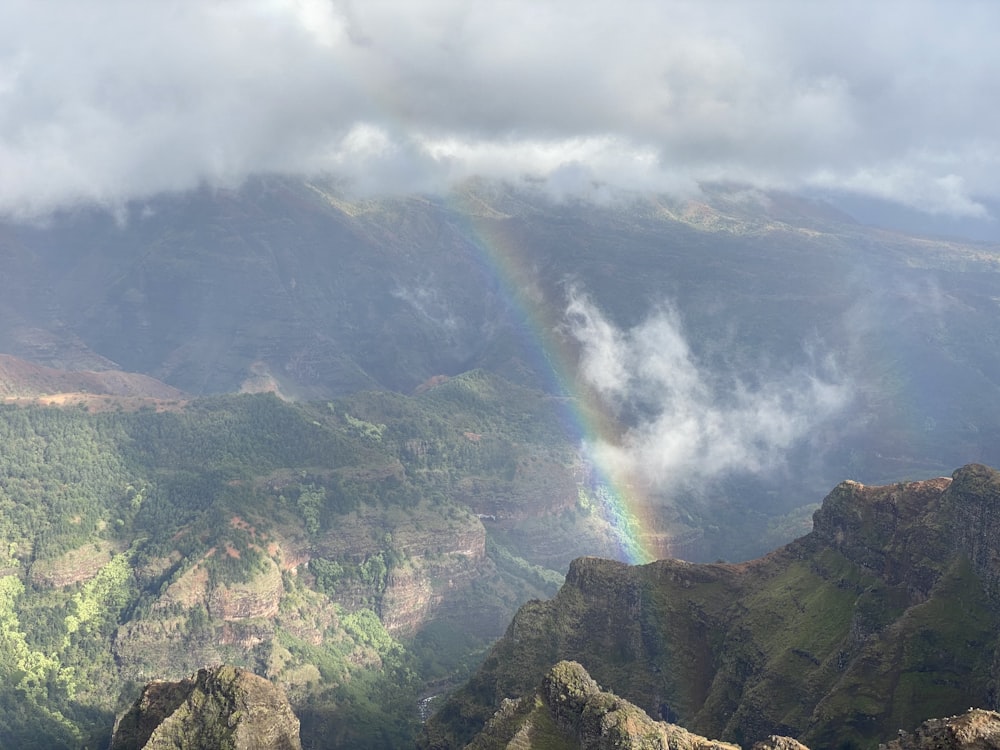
column 694, row 422
column 110, row 100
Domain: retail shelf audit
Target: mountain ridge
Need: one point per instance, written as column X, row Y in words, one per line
column 842, row 636
column 22, row 379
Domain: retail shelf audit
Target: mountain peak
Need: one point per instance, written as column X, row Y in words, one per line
column 569, row 710
column 218, row 707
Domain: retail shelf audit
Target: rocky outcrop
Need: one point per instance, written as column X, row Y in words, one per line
column 571, row 711
column 883, row 529
column 441, row 558
column 145, row 648
column 776, row 742
column 976, row 729
column 843, row 636
column 75, row 566
column 222, row 708
column 423, row 533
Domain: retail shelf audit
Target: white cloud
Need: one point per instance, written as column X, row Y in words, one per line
column 111, row 100
column 693, row 422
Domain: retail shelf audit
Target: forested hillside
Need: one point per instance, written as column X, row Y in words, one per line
column 362, row 553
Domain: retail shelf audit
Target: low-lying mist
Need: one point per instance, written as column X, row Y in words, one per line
column 691, row 419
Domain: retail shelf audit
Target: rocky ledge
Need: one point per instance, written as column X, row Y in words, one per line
column 976, row 729
column 569, row 711
column 221, row 708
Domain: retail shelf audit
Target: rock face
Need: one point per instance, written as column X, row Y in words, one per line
column 257, row 598
column 776, row 742
column 571, row 711
column 885, row 615
column 974, row 730
column 222, row 708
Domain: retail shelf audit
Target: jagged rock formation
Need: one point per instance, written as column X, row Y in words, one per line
column 976, row 729
column 222, row 708
column 839, row 639
column 571, row 711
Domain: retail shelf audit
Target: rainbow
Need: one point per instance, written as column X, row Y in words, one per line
column 619, row 498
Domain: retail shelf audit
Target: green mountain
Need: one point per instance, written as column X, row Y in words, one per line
column 885, row 615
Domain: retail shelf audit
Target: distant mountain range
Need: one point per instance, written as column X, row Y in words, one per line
column 291, row 287
column 339, row 442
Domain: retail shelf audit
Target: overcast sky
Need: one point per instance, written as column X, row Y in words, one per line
column 108, row 100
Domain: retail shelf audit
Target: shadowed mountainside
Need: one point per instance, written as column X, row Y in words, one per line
column 289, row 286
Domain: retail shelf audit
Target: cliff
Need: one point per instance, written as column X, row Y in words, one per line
column 228, row 708
column 840, row 638
column 222, row 708
column 974, row 730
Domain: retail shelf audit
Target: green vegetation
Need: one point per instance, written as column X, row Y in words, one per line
column 144, row 544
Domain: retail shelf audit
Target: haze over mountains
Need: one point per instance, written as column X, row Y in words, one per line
column 716, row 348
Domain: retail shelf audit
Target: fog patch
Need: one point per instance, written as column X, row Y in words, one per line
column 429, row 305
column 687, row 420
